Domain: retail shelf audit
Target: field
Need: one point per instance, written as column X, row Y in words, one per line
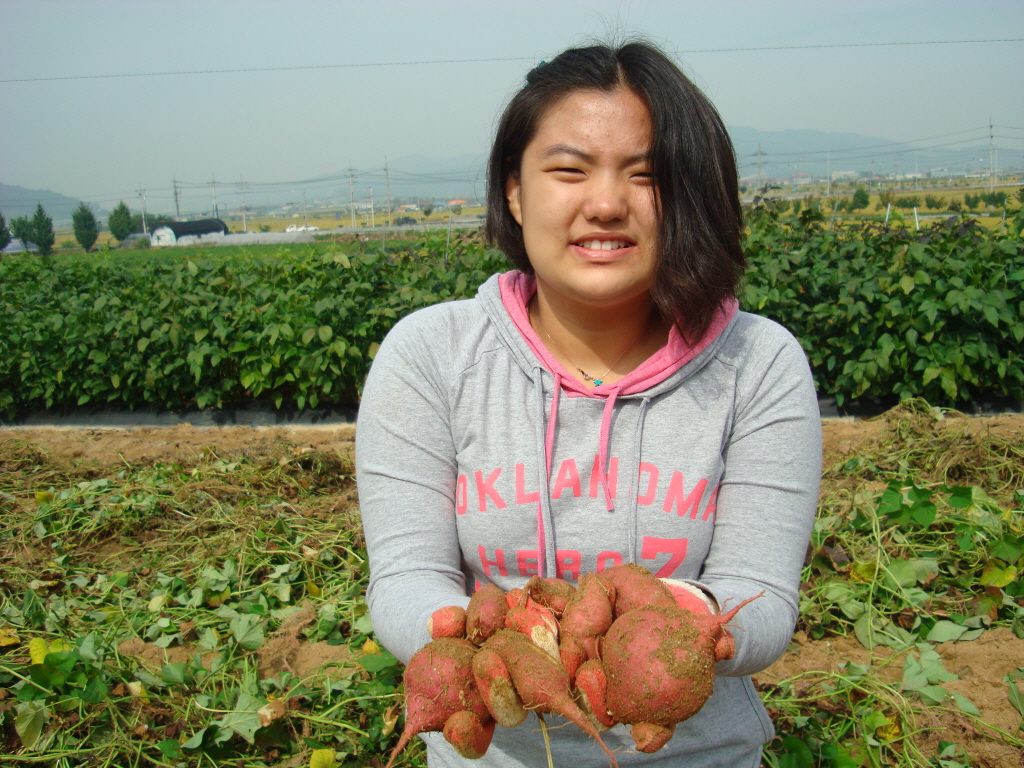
column 185, row 597
column 192, row 598
column 341, row 217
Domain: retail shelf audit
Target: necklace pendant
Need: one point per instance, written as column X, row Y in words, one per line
column 598, row 382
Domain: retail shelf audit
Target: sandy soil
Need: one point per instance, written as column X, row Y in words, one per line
column 182, row 443
column 981, row 664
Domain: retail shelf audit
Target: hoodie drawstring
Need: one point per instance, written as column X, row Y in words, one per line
column 602, row 449
column 638, row 442
column 549, row 451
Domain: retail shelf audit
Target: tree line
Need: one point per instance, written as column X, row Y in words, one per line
column 38, row 228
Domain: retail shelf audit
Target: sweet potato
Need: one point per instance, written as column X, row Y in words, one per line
column 589, row 612
column 449, row 621
column 660, row 666
column 573, row 652
column 438, row 685
column 540, row 629
column 592, row 686
column 636, row 587
column 649, row 737
column 486, row 613
column 495, row 685
column 541, row 681
column 468, row 735
column 551, row 593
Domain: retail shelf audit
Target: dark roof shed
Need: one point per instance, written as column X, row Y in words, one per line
column 201, row 227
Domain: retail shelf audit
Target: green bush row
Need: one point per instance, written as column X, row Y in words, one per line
column 214, row 327
column 881, row 312
column 889, row 311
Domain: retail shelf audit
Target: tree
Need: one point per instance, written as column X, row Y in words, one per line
column 42, row 231
column 5, row 234
column 120, row 221
column 153, row 220
column 21, row 228
column 860, row 199
column 84, row 223
column 427, row 210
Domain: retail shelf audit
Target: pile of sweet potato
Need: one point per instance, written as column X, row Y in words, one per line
column 623, row 647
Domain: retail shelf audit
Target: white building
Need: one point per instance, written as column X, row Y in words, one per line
column 189, row 232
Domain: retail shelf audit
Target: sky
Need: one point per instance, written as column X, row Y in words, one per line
column 370, row 87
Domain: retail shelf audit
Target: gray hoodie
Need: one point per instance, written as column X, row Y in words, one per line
column 480, row 459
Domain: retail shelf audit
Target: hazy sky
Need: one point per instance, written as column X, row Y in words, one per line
column 101, row 138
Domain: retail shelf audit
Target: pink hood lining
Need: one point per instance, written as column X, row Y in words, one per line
column 517, row 288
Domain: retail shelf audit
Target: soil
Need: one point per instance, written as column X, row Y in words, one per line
column 185, row 443
column 981, row 664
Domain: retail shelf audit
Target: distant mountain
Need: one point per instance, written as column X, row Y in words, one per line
column 783, row 155
column 789, row 153
column 18, row 201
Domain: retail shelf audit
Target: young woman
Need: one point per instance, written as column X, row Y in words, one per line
column 604, row 403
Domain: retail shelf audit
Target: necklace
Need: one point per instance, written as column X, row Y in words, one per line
column 598, row 381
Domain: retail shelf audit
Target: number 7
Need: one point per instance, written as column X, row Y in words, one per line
column 653, row 546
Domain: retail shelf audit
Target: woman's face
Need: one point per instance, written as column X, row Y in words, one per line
column 585, row 201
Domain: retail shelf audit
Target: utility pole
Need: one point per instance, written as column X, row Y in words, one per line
column 241, row 188
column 177, row 205
column 142, row 195
column 351, row 192
column 828, row 172
column 373, row 221
column 759, row 153
column 216, row 213
column 387, row 181
column 304, row 222
column 991, row 162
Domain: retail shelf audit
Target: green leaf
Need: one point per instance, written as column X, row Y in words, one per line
column 965, row 704
column 997, row 574
column 934, row 694
column 1015, row 695
column 799, row 751
column 29, row 721
column 325, row 333
column 95, row 690
column 174, row 673
column 247, row 631
column 196, row 742
column 170, row 749
column 871, row 630
column 308, row 334
column 377, row 661
column 244, row 719
column 322, row 758
column 901, row 573
column 945, row 631
column 907, row 284
column 961, row 497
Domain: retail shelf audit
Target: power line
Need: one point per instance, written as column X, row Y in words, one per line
column 485, row 61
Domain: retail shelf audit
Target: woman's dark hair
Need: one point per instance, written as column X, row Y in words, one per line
column 700, row 221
